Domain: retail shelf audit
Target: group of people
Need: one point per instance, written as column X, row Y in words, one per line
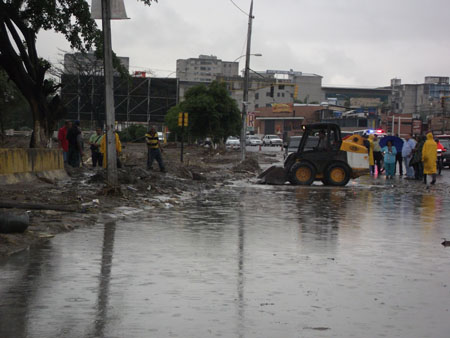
column 419, row 156
column 70, row 139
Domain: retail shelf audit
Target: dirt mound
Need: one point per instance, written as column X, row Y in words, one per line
column 250, row 164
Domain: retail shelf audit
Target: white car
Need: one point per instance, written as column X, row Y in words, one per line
column 272, row 140
column 253, row 140
column 233, row 143
column 160, row 136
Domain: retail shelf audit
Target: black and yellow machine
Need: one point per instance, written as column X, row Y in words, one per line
column 322, row 155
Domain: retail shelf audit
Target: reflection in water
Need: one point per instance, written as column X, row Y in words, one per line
column 428, row 210
column 240, row 279
column 320, row 211
column 105, row 278
column 17, row 298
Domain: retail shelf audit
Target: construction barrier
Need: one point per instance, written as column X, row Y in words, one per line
column 18, row 164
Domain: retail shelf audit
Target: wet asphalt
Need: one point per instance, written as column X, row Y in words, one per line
column 245, row 261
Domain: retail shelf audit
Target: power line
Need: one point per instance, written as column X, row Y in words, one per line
column 246, row 14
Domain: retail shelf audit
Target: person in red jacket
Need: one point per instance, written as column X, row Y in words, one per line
column 62, row 140
column 440, row 150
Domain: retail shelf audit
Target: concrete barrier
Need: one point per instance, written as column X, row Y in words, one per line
column 22, row 164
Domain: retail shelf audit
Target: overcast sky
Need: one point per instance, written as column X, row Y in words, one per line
column 348, row 42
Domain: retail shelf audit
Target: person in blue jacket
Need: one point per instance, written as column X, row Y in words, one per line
column 389, row 153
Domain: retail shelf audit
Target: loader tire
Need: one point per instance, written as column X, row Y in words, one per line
column 337, row 174
column 302, row 173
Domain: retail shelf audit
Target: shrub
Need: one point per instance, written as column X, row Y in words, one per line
column 134, row 133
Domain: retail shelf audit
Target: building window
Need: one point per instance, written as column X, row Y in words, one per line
column 282, row 94
column 281, row 87
column 268, row 105
column 256, row 96
column 256, row 105
column 268, row 94
column 278, row 94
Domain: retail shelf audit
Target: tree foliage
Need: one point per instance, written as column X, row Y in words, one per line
column 14, row 110
column 212, row 112
column 20, row 22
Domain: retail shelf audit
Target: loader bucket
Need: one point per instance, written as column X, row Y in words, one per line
column 273, row 175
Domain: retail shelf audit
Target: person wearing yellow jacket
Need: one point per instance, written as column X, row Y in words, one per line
column 429, row 158
column 103, row 150
column 371, row 158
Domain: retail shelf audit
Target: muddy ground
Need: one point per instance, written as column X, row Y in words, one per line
column 85, row 188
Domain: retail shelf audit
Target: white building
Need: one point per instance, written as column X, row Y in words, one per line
column 205, row 68
column 423, row 99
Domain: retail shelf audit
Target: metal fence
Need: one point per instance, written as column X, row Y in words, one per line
column 136, row 99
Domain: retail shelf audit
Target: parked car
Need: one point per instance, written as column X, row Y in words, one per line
column 253, row 140
column 272, row 140
column 232, row 142
column 160, row 137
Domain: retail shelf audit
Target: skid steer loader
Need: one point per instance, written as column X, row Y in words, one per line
column 322, row 155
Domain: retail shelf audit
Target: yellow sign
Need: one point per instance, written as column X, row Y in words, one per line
column 182, row 119
column 282, row 108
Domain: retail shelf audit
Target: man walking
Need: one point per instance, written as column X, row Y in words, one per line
column 154, row 150
column 407, row 149
column 94, row 142
column 398, row 158
column 429, row 159
column 377, row 156
column 75, row 140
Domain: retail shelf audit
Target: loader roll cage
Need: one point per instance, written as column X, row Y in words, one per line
column 320, row 137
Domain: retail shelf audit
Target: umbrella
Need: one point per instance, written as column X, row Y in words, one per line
column 397, row 142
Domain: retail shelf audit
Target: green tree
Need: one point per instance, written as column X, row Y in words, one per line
column 14, row 111
column 20, row 22
column 212, row 112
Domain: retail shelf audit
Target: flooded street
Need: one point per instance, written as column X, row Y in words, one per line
column 246, row 261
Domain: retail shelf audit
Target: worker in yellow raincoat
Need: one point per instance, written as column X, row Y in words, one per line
column 371, row 159
column 103, row 150
column 429, row 158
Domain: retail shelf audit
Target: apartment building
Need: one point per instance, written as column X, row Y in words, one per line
column 205, row 68
column 420, row 99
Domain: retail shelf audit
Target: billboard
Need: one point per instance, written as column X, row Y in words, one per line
column 136, row 99
column 282, row 108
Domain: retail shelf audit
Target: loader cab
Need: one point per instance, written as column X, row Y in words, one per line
column 320, row 137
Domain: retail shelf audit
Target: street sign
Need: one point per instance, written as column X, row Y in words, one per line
column 183, row 119
column 251, row 119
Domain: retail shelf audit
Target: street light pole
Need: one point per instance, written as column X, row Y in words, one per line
column 246, row 80
column 256, row 54
column 111, row 156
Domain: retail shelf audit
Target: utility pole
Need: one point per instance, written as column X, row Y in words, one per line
column 246, row 80
column 111, row 156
